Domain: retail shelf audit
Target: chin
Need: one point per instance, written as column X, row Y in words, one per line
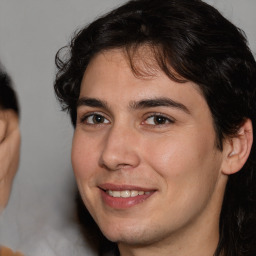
column 132, row 235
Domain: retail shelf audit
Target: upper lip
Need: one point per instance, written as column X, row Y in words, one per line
column 121, row 187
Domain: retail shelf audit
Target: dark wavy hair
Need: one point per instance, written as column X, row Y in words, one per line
column 190, row 41
column 8, row 98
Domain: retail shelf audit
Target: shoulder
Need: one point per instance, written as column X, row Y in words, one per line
column 4, row 251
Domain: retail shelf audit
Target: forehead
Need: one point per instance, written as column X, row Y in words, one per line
column 110, row 77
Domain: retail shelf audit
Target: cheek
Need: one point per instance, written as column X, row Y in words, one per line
column 182, row 157
column 189, row 170
column 83, row 157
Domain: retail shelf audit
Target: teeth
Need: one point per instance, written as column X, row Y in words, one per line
column 134, row 193
column 116, row 193
column 126, row 193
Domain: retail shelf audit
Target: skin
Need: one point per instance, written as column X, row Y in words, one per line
column 9, row 153
column 4, row 251
column 169, row 150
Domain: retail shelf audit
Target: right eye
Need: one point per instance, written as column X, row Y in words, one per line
column 94, row 119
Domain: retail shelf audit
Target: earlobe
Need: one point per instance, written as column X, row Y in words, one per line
column 237, row 149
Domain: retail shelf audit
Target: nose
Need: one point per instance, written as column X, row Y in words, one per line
column 120, row 149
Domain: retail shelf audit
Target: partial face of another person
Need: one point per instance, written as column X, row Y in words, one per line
column 144, row 154
column 9, row 152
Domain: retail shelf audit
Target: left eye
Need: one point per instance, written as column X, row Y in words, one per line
column 96, row 119
column 158, row 120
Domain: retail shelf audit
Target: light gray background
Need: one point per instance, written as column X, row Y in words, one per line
column 39, row 217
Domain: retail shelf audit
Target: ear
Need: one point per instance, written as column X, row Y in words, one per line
column 9, row 141
column 9, row 152
column 237, row 149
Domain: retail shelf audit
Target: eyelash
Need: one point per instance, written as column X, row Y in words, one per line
column 166, row 120
column 85, row 118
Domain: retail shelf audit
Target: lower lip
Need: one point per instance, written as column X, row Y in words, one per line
column 123, row 203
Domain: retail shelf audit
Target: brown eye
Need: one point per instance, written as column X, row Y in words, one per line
column 96, row 119
column 158, row 120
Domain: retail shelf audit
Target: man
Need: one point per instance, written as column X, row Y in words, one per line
column 162, row 97
column 9, row 144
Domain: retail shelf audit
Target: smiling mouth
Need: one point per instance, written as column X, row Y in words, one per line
column 127, row 193
column 124, row 196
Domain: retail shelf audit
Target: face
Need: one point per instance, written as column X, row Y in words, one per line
column 9, row 152
column 144, row 154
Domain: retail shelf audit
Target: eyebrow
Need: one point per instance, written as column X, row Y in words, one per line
column 92, row 102
column 158, row 102
column 147, row 103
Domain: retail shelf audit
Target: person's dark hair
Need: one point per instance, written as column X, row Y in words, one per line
column 8, row 98
column 190, row 41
